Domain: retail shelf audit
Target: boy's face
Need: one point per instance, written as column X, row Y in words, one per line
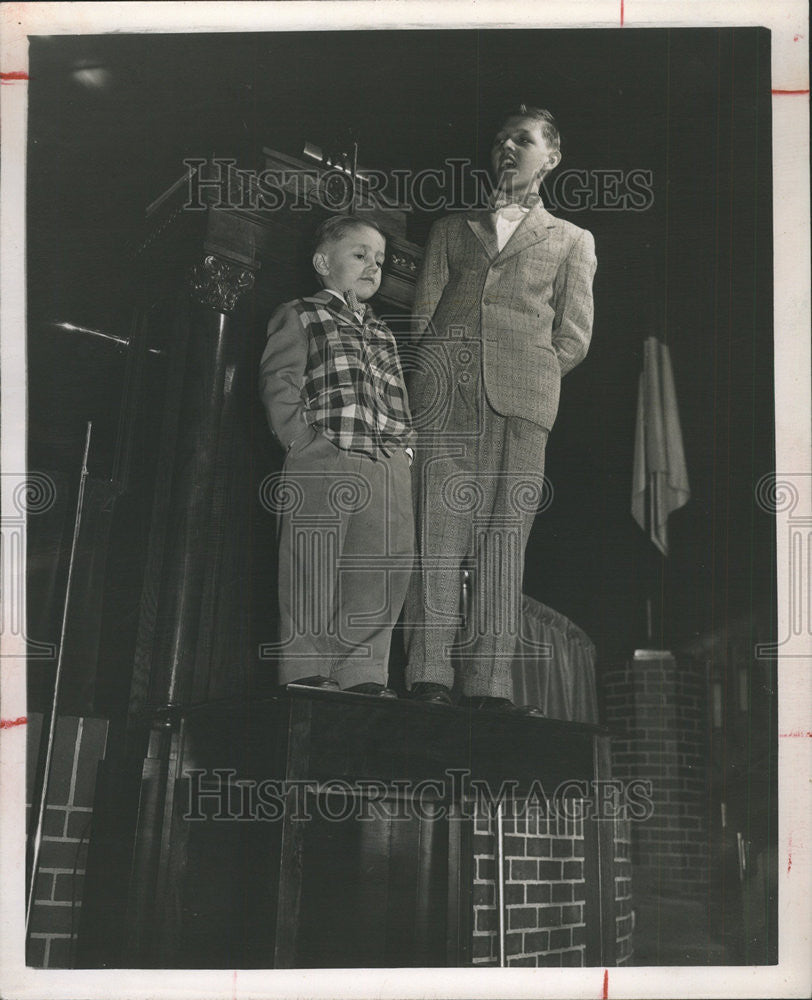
column 353, row 262
column 520, row 155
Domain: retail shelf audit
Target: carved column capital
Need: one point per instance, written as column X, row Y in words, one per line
column 219, row 284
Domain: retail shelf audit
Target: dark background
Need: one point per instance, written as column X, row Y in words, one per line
column 111, row 119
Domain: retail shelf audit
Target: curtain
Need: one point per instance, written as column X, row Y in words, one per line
column 659, row 475
column 554, row 666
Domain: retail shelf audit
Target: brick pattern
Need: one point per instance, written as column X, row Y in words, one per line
column 544, row 891
column 624, row 918
column 78, row 746
column 659, row 707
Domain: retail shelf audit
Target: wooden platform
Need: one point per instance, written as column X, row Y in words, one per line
column 258, row 843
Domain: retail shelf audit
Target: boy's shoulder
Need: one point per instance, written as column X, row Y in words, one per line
column 320, row 298
column 311, row 310
column 308, row 305
column 455, row 222
column 314, row 301
column 567, row 227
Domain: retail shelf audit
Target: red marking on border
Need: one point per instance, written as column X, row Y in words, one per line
column 796, row 732
column 13, row 76
column 622, row 13
column 605, row 984
column 791, row 91
column 10, row 723
column 789, row 855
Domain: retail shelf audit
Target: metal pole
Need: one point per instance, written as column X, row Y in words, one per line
column 37, row 838
column 500, row 881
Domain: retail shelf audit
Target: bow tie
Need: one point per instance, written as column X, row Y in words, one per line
column 512, row 211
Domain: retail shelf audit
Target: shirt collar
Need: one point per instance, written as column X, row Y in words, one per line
column 365, row 309
column 528, row 201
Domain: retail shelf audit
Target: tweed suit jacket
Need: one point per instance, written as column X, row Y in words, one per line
column 529, row 305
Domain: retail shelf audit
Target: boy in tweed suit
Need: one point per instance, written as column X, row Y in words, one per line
column 503, row 309
column 333, row 389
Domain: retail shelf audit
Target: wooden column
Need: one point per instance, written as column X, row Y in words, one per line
column 216, row 349
column 203, row 399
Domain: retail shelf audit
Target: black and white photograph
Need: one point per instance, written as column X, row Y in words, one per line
column 406, row 500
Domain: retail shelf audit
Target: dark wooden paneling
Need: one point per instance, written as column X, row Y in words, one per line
column 239, row 887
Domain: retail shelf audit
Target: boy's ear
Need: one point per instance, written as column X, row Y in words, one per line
column 320, row 264
column 553, row 160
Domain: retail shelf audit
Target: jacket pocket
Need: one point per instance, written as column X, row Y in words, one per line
column 301, row 441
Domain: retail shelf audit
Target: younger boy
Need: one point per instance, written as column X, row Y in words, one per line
column 333, row 389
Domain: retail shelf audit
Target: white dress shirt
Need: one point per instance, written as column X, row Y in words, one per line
column 507, row 219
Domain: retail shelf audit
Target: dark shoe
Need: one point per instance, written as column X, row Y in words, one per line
column 321, row 683
column 505, row 706
column 529, row 711
column 371, row 688
column 434, row 694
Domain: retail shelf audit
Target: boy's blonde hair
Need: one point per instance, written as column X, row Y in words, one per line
column 337, row 226
column 545, row 118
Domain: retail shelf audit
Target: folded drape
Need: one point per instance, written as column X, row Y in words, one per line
column 554, row 667
column 659, row 477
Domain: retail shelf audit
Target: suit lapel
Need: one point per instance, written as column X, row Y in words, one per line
column 482, row 226
column 533, row 229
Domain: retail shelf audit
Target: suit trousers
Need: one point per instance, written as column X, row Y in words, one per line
column 346, row 552
column 478, row 484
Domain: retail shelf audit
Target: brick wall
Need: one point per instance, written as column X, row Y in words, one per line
column 624, row 919
column 657, row 709
column 78, row 747
column 544, row 891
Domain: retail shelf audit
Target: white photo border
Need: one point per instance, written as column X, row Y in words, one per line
column 788, row 23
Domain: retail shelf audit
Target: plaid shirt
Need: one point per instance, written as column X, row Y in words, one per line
column 353, row 391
